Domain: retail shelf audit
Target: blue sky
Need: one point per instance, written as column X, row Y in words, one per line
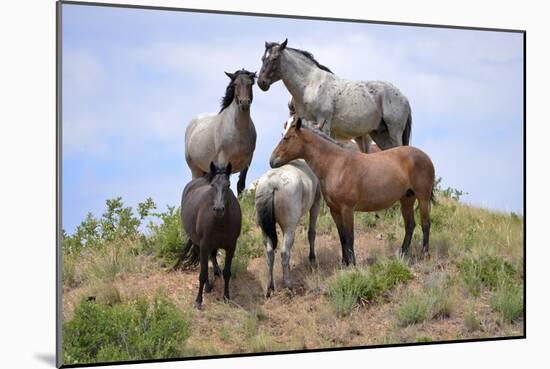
column 132, row 80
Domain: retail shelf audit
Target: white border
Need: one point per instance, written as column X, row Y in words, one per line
column 28, row 182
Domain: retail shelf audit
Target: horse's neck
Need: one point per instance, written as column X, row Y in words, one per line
column 319, row 154
column 295, row 73
column 234, row 117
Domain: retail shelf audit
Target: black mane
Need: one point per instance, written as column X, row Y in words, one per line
column 230, row 91
column 309, row 55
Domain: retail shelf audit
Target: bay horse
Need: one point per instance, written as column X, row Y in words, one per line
column 341, row 108
column 353, row 181
column 228, row 136
column 283, row 196
column 211, row 218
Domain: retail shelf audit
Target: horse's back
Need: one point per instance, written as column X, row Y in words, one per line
column 294, row 186
column 199, row 141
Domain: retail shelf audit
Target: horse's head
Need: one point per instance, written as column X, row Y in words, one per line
column 219, row 180
column 291, row 146
column 241, row 86
column 269, row 73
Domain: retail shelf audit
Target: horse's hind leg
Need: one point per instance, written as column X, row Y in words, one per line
column 242, row 180
column 424, row 206
column 285, row 255
column 215, row 266
column 203, row 276
column 270, row 258
column 227, row 271
column 407, row 210
column 313, row 215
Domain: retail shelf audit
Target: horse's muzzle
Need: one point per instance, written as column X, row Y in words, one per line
column 219, row 211
column 244, row 105
column 275, row 162
column 263, row 84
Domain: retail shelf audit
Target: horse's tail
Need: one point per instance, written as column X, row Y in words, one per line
column 189, row 256
column 407, row 131
column 266, row 215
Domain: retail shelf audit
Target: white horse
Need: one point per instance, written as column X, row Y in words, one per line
column 341, row 108
column 229, row 136
column 283, row 196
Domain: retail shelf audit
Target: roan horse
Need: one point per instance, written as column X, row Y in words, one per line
column 353, row 181
column 341, row 108
column 228, row 136
column 283, row 196
column 211, row 217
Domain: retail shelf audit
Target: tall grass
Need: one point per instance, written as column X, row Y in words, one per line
column 351, row 286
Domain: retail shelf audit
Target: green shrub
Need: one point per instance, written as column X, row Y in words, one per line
column 484, row 271
column 133, row 331
column 508, row 300
column 471, row 321
column 440, row 303
column 356, row 284
column 424, row 339
column 167, row 237
column 413, row 310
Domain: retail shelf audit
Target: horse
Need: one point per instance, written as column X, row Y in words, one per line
column 211, row 217
column 341, row 108
column 353, row 181
column 283, row 196
column 228, row 136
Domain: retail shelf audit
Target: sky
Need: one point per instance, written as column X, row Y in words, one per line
column 132, row 80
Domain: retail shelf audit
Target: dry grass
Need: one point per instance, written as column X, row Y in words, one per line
column 304, row 317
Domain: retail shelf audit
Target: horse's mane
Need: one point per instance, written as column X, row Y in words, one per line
column 321, row 134
column 309, row 55
column 230, row 91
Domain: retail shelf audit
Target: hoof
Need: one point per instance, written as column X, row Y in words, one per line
column 226, row 298
column 269, row 291
column 198, row 305
column 209, row 288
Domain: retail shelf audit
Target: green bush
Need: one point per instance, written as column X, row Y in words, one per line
column 471, row 321
column 133, row 331
column 413, row 310
column 353, row 285
column 484, row 271
column 508, row 300
column 167, row 237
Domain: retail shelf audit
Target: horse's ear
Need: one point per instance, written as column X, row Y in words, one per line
column 228, row 169
column 230, row 75
column 283, row 45
column 212, row 167
column 299, row 123
column 266, row 45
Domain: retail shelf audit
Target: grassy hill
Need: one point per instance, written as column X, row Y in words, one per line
column 122, row 300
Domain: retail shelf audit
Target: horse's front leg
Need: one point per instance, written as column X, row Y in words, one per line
column 324, row 124
column 313, row 215
column 344, row 223
column 227, row 271
column 203, row 275
column 242, row 180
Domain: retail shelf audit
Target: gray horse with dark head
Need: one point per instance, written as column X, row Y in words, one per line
column 227, row 136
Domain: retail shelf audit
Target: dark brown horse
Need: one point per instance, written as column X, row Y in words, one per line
column 211, row 217
column 353, row 181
